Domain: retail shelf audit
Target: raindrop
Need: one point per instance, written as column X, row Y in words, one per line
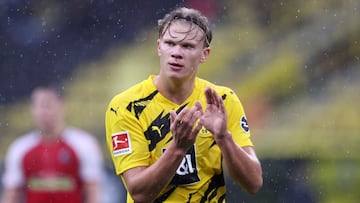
column 118, row 21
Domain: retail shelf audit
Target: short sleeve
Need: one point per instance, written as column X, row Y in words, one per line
column 237, row 122
column 88, row 152
column 125, row 138
column 13, row 176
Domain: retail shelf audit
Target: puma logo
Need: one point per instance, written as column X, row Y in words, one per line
column 113, row 110
column 157, row 129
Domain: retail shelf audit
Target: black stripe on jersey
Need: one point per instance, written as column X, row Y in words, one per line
column 159, row 128
column 140, row 104
column 164, row 196
column 216, row 182
column 212, row 144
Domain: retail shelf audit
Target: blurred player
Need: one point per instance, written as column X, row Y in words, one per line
column 54, row 163
column 170, row 134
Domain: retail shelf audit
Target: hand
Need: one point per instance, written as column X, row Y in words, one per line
column 215, row 116
column 183, row 126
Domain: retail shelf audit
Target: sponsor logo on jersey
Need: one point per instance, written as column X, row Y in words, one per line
column 187, row 172
column 121, row 143
column 244, row 124
column 54, row 182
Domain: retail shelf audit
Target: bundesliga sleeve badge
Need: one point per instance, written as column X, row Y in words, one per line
column 244, row 124
column 121, row 143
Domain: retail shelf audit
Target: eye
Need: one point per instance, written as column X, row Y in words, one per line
column 169, row 43
column 188, row 46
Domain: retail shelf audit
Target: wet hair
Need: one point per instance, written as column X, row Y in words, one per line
column 57, row 89
column 192, row 16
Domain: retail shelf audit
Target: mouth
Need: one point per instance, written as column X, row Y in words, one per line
column 175, row 66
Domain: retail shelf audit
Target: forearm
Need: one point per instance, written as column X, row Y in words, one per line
column 92, row 191
column 145, row 184
column 242, row 163
column 10, row 196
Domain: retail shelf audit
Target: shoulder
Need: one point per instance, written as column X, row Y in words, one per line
column 27, row 138
column 223, row 91
column 123, row 103
column 23, row 144
column 80, row 140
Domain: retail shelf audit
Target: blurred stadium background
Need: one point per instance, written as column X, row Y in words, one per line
column 294, row 64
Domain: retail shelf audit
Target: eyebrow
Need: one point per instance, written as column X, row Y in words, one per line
column 180, row 41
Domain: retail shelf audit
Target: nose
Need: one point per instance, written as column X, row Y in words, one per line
column 176, row 52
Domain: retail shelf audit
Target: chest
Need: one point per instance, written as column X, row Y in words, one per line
column 46, row 159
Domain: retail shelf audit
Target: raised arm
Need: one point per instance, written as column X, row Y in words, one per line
column 242, row 162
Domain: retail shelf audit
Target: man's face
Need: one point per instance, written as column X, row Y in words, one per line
column 47, row 110
column 181, row 50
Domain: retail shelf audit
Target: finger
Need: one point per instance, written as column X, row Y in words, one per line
column 191, row 116
column 172, row 119
column 195, row 116
column 198, row 127
column 212, row 96
column 181, row 117
column 215, row 97
column 181, row 114
column 198, row 106
column 208, row 94
column 221, row 104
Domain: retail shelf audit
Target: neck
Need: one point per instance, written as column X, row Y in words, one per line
column 52, row 134
column 175, row 91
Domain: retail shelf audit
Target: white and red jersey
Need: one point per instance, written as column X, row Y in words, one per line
column 53, row 171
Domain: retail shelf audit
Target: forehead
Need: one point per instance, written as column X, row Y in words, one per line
column 182, row 30
column 44, row 95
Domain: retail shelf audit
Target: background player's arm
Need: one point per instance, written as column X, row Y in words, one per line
column 13, row 177
column 92, row 192
column 10, row 195
column 91, row 164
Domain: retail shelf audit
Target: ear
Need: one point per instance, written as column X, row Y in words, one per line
column 158, row 47
column 205, row 54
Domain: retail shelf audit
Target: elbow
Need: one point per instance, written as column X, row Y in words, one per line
column 142, row 198
column 255, row 186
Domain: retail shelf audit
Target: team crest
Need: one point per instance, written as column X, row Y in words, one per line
column 121, row 143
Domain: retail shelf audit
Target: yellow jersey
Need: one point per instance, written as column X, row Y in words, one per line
column 138, row 132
